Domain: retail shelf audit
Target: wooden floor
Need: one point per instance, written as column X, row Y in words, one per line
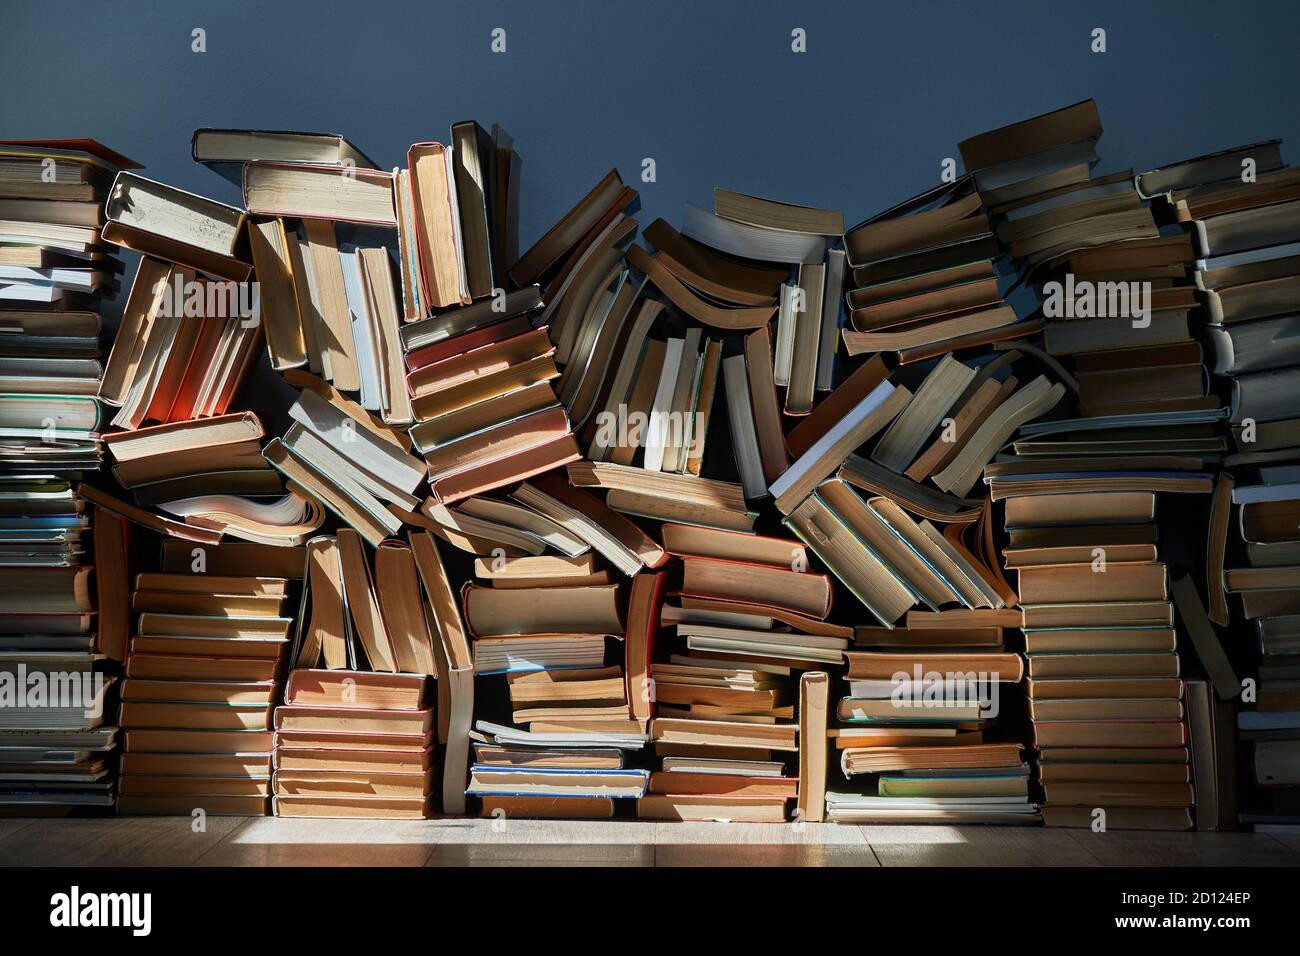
column 229, row 841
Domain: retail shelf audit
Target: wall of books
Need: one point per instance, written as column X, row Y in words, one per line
column 983, row 510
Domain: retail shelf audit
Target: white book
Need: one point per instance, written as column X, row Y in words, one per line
column 786, row 318
column 31, row 292
column 303, row 444
column 657, row 431
column 371, row 398
column 813, row 455
column 680, row 407
column 357, row 444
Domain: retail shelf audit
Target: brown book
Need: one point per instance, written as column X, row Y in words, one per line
column 1113, row 793
column 712, row 807
column 1103, row 665
column 186, row 666
column 363, row 689
column 763, row 402
column 693, row 541
column 645, row 602
column 682, row 783
column 187, row 714
column 352, row 807
column 722, row 733
column 878, row 665
column 244, row 764
column 236, row 558
column 1120, row 818
column 397, row 589
column 190, row 742
column 353, row 720
column 1101, row 709
column 801, row 592
column 568, row 232
column 213, row 692
column 338, row 783
column 1067, row 583
column 1093, row 507
column 1091, row 687
column 581, row 610
column 1070, row 124
column 162, row 247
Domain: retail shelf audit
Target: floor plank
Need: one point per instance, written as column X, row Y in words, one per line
column 294, row 830
column 766, row 854
column 9, row 827
column 317, row 854
column 115, row 841
column 751, row 834
column 232, row 841
column 542, row 854
column 508, row 832
column 973, row 846
column 1138, row 848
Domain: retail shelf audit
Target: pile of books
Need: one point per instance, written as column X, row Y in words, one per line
column 190, row 329
column 357, row 738
column 596, row 530
column 923, row 728
column 925, row 278
column 1105, row 688
column 204, row 673
column 63, row 600
column 561, row 750
column 352, row 743
column 750, row 623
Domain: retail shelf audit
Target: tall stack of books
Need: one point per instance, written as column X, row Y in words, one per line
column 204, row 673
column 1265, row 577
column 1105, row 688
column 356, row 734
column 63, row 611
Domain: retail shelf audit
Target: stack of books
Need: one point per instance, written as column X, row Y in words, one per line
column 363, row 652
column 210, row 474
column 63, row 609
column 561, row 753
column 750, row 623
column 1267, row 584
column 1035, row 177
column 925, row 278
column 1105, row 688
column 1241, row 209
column 204, row 673
column 918, row 728
column 352, row 743
column 190, row 328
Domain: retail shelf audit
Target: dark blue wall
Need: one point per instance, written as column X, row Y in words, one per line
column 710, row 90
